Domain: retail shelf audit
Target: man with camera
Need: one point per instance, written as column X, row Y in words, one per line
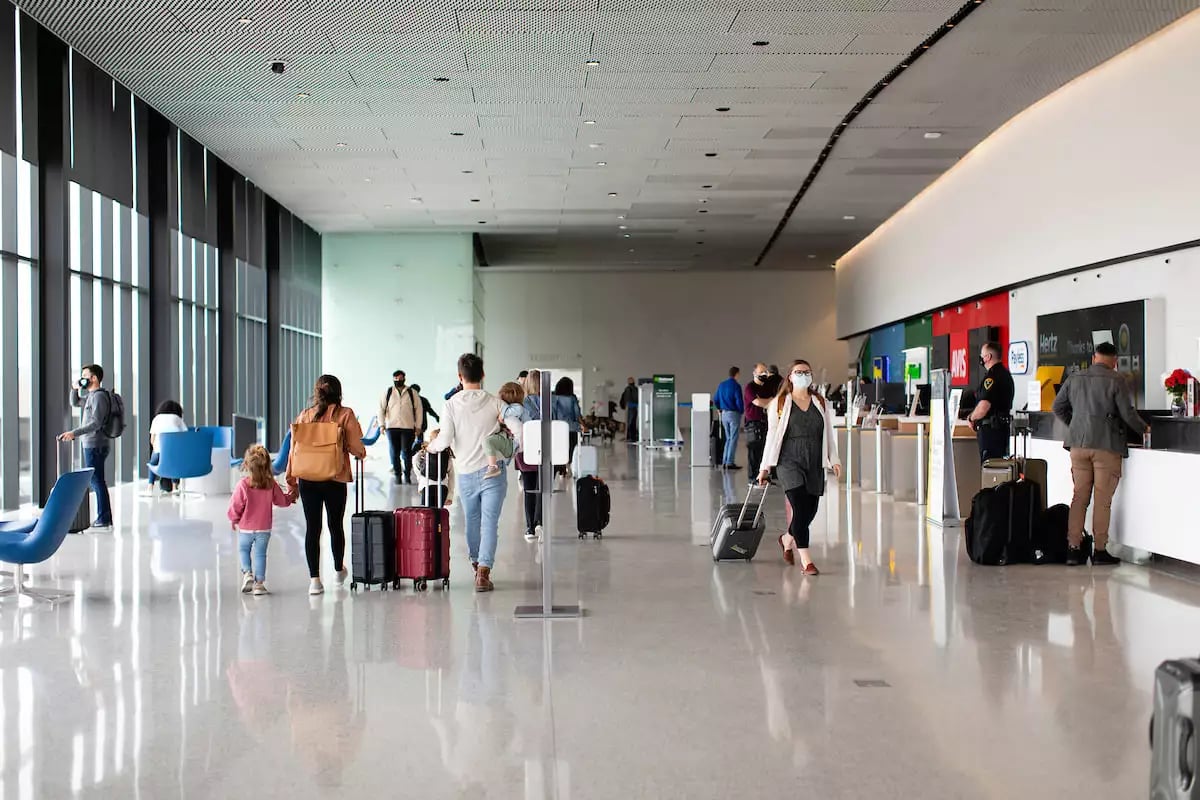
column 97, row 408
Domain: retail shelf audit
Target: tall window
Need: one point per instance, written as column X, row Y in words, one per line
column 194, row 289
column 251, row 395
column 299, row 313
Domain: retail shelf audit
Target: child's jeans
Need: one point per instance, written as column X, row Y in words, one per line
column 259, row 540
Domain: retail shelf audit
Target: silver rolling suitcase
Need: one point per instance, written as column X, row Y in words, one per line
column 738, row 529
column 1173, row 737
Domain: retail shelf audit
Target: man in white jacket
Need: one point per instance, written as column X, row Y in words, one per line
column 470, row 416
column 402, row 415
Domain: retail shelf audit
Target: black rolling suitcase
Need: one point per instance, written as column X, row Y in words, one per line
column 738, row 529
column 372, row 541
column 83, row 515
column 1175, row 755
column 593, row 504
column 1000, row 528
column 716, row 443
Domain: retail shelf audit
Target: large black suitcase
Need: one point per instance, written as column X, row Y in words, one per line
column 372, row 541
column 83, row 515
column 593, row 506
column 738, row 529
column 1173, row 738
column 1000, row 528
column 716, row 443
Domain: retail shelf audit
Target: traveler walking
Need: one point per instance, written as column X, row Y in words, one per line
column 426, row 407
column 320, row 480
column 566, row 409
column 991, row 419
column 802, row 442
column 93, row 437
column 252, row 513
column 629, row 402
column 532, row 384
column 402, row 415
column 1097, row 406
column 728, row 400
column 757, row 398
column 168, row 418
column 467, row 420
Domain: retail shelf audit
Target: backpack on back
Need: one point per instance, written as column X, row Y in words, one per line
column 318, row 450
column 114, row 424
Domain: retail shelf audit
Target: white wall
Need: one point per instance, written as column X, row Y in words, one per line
column 1105, row 167
column 396, row 302
column 1172, row 282
column 693, row 325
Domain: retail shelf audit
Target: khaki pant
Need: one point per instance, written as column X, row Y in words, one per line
column 1099, row 471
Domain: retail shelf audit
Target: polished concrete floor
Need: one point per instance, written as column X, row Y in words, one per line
column 903, row 671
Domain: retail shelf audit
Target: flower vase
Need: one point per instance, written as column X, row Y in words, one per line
column 1178, row 406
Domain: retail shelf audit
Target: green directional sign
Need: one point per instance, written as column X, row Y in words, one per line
column 663, row 418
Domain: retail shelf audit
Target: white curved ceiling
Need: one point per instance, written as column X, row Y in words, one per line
column 359, row 134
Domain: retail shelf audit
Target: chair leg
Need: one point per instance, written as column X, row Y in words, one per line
column 19, row 590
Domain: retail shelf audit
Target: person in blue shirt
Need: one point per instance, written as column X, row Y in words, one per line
column 729, row 401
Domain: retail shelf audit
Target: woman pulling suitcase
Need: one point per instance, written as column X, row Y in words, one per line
column 802, row 445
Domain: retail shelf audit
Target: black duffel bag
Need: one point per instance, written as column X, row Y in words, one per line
column 1000, row 528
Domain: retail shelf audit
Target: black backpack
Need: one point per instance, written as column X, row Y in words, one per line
column 114, row 424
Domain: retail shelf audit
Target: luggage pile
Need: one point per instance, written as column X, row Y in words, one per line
column 1009, row 521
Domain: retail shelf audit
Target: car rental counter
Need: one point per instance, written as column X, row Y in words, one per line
column 1151, row 510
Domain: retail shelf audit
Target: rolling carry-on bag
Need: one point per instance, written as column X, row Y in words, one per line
column 1174, row 743
column 1034, row 470
column 372, row 541
column 423, row 547
column 738, row 529
column 999, row 470
column 593, row 505
column 83, row 515
column 1000, row 528
column 716, row 444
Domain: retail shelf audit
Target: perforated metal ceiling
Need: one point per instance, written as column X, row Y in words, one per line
column 359, row 133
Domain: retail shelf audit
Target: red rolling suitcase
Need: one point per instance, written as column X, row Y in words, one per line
column 422, row 547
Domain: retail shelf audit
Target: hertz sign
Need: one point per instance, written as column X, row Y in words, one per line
column 1067, row 339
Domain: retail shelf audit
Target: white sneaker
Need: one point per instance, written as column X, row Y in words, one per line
column 247, row 582
column 316, row 587
column 530, row 537
column 342, row 575
column 540, row 531
column 260, row 589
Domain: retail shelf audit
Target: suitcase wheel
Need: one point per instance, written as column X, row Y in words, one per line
column 583, row 534
column 353, row 586
column 597, row 535
column 421, row 585
column 445, row 583
column 396, row 584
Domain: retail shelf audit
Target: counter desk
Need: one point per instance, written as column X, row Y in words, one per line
column 1150, row 509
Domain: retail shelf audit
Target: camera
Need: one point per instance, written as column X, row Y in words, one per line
column 278, row 67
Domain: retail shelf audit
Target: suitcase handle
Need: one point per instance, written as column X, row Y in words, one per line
column 758, row 511
column 360, row 489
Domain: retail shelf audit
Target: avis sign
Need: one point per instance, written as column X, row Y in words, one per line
column 958, row 364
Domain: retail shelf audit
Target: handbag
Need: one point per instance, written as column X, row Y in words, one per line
column 756, row 431
column 318, row 450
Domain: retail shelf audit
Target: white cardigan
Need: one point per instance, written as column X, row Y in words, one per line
column 777, row 425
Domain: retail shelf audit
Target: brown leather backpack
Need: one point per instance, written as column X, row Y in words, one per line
column 318, row 450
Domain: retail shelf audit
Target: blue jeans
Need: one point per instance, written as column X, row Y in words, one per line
column 95, row 458
column 257, row 540
column 482, row 500
column 731, row 421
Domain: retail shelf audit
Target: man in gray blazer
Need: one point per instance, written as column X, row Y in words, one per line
column 1096, row 405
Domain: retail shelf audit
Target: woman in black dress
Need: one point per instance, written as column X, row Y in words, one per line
column 802, row 445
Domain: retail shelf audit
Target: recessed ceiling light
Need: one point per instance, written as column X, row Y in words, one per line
column 710, row 155
column 699, row 242
column 483, row 222
column 812, row 255
column 245, row 21
column 303, row 95
column 591, row 62
column 589, row 122
column 849, row 217
column 703, row 199
column 596, row 145
column 414, row 200
column 456, row 133
column 612, row 194
column 366, row 180
column 761, row 44
column 631, row 249
column 441, row 80
column 707, row 186
column 601, row 163
column 723, row 109
column 620, row 216
column 622, row 227
column 949, row 24
column 387, row 208
column 704, row 211
column 467, row 171
column 340, row 144
column 933, row 134
column 924, row 47
column 626, row 235
column 474, row 199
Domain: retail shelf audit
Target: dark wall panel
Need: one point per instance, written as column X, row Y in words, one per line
column 101, row 129
column 8, row 83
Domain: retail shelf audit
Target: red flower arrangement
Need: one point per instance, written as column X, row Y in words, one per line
column 1177, row 382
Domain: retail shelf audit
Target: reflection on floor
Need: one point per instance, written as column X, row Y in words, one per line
column 902, row 671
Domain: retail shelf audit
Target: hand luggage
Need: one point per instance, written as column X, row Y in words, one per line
column 738, row 529
column 434, row 466
column 372, row 541
column 1034, row 470
column 593, row 505
column 318, row 450
column 716, row 444
column 423, row 547
column 1000, row 470
column 1174, row 744
column 1000, row 528
column 83, row 515
column 586, row 462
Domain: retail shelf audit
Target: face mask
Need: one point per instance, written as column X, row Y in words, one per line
column 82, row 383
column 801, row 380
column 399, row 384
column 982, row 363
column 760, row 378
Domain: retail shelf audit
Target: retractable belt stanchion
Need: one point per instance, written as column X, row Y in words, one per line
column 547, row 610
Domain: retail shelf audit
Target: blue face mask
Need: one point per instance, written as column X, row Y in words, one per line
column 801, row 380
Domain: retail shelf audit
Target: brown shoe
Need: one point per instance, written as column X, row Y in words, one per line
column 483, row 580
column 788, row 555
column 811, row 569
column 475, row 567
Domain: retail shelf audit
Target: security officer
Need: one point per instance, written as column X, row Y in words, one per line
column 991, row 418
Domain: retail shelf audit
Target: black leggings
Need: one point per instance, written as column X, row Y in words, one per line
column 804, row 509
column 330, row 497
column 573, row 439
column 533, row 500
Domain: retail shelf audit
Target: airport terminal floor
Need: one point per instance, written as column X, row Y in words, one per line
column 901, row 671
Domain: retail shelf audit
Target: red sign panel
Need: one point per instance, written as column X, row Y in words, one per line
column 959, row 372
